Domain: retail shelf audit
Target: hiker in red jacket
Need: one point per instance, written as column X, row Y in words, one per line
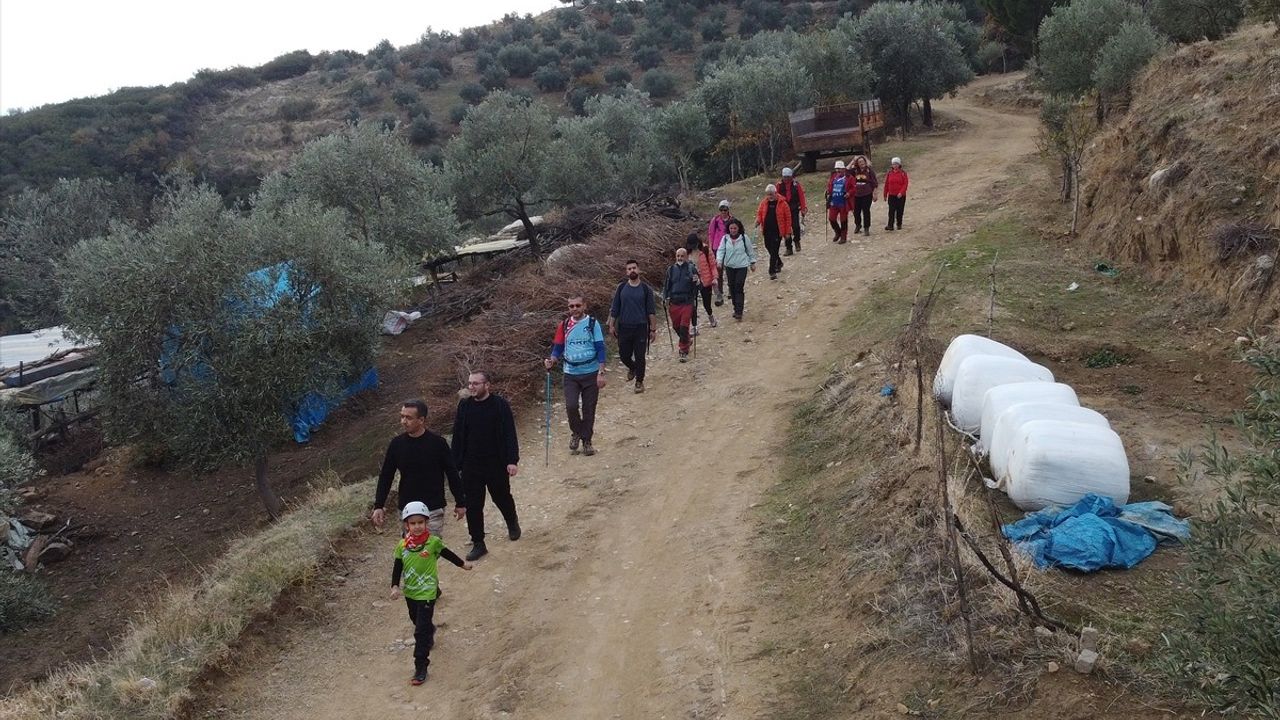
column 895, row 192
column 773, row 217
column 839, row 200
column 864, row 183
column 791, row 191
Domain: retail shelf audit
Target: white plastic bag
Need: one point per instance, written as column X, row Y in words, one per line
column 1001, row 397
column 1056, row 463
column 962, row 348
column 1007, row 424
column 978, row 374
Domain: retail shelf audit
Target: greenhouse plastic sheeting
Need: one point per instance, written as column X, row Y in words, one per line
column 1095, row 533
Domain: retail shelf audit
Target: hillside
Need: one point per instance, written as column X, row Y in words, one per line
column 232, row 126
column 1187, row 182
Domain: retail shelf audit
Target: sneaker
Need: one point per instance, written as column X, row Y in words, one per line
column 866, row 231
column 713, row 322
column 419, row 676
column 587, row 449
column 573, row 444
column 478, row 550
column 737, row 316
column 899, row 226
column 788, row 253
column 631, row 374
column 797, row 247
column 684, row 356
column 513, row 532
column 639, row 387
column 693, row 331
column 773, row 276
column 888, row 227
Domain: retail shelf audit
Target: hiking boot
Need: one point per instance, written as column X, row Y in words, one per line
column 737, row 316
column 631, row 374
column 587, row 449
column 713, row 322
column 478, row 550
column 639, row 386
column 797, row 247
column 573, row 444
column 889, row 228
column 788, row 253
column 866, row 231
column 899, row 226
column 513, row 532
column 419, row 676
column 773, row 276
column 684, row 356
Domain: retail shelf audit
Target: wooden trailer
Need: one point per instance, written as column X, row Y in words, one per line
column 828, row 130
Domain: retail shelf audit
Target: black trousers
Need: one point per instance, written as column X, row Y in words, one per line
column 862, row 211
column 773, row 243
column 737, row 287
column 897, row 203
column 794, row 237
column 633, row 342
column 422, row 615
column 498, row 485
column 580, row 396
column 706, row 303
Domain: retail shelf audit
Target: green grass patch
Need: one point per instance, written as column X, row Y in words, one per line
column 149, row 675
column 1106, row 358
column 23, row 600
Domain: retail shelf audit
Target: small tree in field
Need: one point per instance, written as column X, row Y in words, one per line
column 1065, row 130
column 201, row 357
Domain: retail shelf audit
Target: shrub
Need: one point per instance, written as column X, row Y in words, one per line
column 1223, row 639
column 1266, row 10
column 681, row 40
column 495, row 77
column 518, row 60
column 992, row 56
column 711, row 30
column 286, row 66
column 428, row 78
column 458, row 113
column 577, row 98
column 297, row 109
column 582, row 66
column 1124, row 55
column 622, row 24
column 485, row 60
column 338, row 61
column 568, row 18
column 617, row 75
column 647, row 57
column 404, row 96
column 547, row 55
column 550, row 33
column 423, row 131
column 551, row 77
column 23, row 600
column 1191, row 20
column 361, row 94
column 606, row 45
column 469, row 39
column 658, row 83
column 799, row 17
column 473, row 93
column 384, row 78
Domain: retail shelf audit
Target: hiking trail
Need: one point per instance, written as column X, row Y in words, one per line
column 632, row 593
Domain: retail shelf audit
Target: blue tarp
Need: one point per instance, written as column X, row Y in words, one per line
column 1095, row 533
column 314, row 407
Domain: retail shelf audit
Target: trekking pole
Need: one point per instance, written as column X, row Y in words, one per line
column 546, row 462
column 666, row 312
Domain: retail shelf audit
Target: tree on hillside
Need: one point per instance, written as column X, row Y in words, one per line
column 499, row 162
column 1072, row 37
column 36, row 232
column 1020, row 19
column 1123, row 56
column 837, row 72
column 914, row 54
column 626, row 122
column 1192, row 20
column 1267, row 10
column 682, row 132
column 387, row 194
column 203, row 359
column 747, row 103
column 1065, row 131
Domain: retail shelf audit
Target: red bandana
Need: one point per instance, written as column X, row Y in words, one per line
column 414, row 543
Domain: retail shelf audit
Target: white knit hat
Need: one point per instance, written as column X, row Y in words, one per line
column 896, row 161
column 787, row 172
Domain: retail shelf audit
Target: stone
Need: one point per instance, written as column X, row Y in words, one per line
column 1086, row 661
column 38, row 520
column 1053, row 666
column 1089, row 638
column 903, row 709
column 55, row 551
column 146, row 684
column 1043, row 631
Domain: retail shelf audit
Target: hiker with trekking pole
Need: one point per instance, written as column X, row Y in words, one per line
column 678, row 291
column 633, row 321
column 789, row 189
column 487, row 450
column 579, row 341
column 717, row 228
column 736, row 255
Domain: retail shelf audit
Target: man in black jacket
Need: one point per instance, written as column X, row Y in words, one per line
column 486, row 448
column 423, row 460
column 680, row 291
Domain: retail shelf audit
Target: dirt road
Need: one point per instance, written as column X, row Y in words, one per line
column 633, row 591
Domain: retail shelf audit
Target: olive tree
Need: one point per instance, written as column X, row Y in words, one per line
column 1065, row 132
column 36, row 231
column 1192, row 20
column 1124, row 55
column 386, row 193
column 682, row 131
column 1072, row 37
column 626, row 122
column 500, row 162
column 748, row 104
column 212, row 326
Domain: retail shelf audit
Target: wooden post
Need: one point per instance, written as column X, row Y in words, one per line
column 953, row 543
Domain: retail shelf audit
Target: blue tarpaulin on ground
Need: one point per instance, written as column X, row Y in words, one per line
column 314, row 407
column 1095, row 533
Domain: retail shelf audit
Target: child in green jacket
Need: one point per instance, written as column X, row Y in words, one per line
column 416, row 557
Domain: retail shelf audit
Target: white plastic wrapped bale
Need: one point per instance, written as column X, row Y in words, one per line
column 1055, row 463
column 978, row 374
column 962, row 348
column 1001, row 397
column 1006, row 426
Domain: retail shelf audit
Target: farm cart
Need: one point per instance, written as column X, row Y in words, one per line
column 828, row 130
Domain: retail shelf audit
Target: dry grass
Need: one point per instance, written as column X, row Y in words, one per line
column 194, row 627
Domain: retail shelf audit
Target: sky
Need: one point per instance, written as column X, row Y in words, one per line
column 56, row 50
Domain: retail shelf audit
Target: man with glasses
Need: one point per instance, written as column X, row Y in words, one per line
column 423, row 460
column 580, row 341
column 485, row 446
